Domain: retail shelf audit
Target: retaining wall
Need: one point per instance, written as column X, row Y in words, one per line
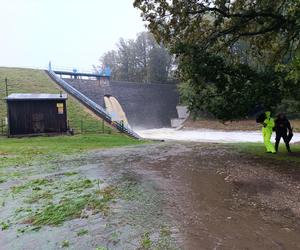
column 145, row 105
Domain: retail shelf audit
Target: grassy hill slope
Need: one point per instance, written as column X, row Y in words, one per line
column 22, row 80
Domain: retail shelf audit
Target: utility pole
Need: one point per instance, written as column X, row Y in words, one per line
column 6, row 87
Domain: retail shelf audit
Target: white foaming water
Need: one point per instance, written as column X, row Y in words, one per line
column 205, row 135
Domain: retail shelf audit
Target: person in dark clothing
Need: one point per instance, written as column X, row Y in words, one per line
column 282, row 126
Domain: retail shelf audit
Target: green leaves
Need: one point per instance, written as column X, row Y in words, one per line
column 228, row 50
column 227, row 91
column 140, row 60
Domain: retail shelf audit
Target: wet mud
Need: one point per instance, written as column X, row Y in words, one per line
column 174, row 196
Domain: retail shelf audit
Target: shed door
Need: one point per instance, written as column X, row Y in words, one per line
column 38, row 123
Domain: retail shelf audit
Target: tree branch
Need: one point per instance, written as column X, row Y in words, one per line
column 250, row 14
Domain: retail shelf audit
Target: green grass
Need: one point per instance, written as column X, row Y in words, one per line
column 82, row 232
column 258, row 149
column 34, row 185
column 20, row 151
column 67, row 209
column 37, row 81
column 65, row 243
column 57, row 200
column 38, row 196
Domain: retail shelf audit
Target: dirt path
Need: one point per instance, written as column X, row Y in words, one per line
column 240, row 125
column 179, row 195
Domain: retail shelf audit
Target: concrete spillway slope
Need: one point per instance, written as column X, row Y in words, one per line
column 93, row 106
column 145, row 105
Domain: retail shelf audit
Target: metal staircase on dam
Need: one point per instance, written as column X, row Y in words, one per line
column 96, row 108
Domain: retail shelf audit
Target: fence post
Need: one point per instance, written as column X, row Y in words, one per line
column 2, row 127
column 122, row 126
column 102, row 126
column 6, row 86
column 81, row 126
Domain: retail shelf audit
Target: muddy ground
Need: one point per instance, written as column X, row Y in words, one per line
column 239, row 125
column 170, row 195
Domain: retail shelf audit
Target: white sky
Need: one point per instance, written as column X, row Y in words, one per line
column 70, row 33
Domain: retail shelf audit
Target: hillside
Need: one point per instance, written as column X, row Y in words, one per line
column 36, row 81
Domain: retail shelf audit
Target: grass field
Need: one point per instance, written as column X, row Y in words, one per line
column 258, row 150
column 15, row 152
column 37, row 81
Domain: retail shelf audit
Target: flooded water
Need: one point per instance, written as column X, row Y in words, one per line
column 208, row 196
column 205, row 135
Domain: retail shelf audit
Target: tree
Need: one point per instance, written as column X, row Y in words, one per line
column 244, row 39
column 223, row 22
column 159, row 63
column 141, row 60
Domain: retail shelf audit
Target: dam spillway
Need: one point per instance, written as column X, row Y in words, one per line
column 114, row 108
column 145, row 105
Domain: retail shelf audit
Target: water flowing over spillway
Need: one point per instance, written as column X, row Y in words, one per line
column 205, row 135
column 114, row 108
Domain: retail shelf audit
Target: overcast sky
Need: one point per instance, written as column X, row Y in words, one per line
column 71, row 33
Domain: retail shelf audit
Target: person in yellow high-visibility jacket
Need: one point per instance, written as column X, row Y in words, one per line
column 267, row 131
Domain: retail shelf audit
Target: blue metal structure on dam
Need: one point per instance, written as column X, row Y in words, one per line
column 75, row 73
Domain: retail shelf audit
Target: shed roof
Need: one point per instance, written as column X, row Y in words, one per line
column 32, row 96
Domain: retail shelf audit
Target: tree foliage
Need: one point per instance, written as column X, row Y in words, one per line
column 226, row 91
column 140, row 60
column 228, row 51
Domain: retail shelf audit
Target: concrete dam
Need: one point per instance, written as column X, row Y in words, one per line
column 146, row 106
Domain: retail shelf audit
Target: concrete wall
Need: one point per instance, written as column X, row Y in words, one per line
column 182, row 111
column 146, row 105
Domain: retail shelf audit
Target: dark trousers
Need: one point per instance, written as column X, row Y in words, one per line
column 285, row 139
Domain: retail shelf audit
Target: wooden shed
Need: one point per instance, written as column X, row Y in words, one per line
column 36, row 114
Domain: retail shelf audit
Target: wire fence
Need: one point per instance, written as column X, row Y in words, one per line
column 3, row 127
column 74, row 127
column 89, row 127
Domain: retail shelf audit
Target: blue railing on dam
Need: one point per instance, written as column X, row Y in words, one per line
column 91, row 104
column 75, row 72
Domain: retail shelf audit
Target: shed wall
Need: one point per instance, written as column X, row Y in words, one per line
column 35, row 116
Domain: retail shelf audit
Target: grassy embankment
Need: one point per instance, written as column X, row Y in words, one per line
column 26, row 150
column 36, row 81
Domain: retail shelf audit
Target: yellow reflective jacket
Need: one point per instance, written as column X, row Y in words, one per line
column 269, row 123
